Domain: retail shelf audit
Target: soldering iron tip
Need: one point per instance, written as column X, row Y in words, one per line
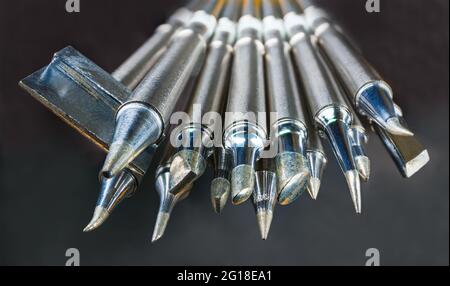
column 363, row 166
column 186, row 167
column 242, row 183
column 394, row 126
column 220, row 191
column 137, row 127
column 160, row 226
column 261, row 218
column 313, row 187
column 99, row 217
column 354, row 185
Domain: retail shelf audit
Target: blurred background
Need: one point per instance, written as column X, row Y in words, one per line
column 48, row 172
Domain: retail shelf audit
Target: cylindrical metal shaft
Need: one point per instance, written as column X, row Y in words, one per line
column 244, row 132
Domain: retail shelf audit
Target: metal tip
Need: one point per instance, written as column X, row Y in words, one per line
column 354, row 185
column 292, row 176
column 160, row 226
column 363, row 165
column 313, row 187
column 99, row 217
column 264, row 218
column 317, row 163
column 137, row 127
column 264, row 200
column 394, row 126
column 242, row 183
column 220, row 191
column 186, row 167
column 117, row 159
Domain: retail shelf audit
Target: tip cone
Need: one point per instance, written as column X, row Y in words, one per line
column 99, row 217
column 137, row 127
column 354, row 186
column 313, row 187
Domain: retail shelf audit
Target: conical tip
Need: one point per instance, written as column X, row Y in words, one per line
column 261, row 218
column 354, row 185
column 160, row 226
column 313, row 187
column 220, row 191
column 264, row 218
column 394, row 126
column 137, row 127
column 99, row 217
column 119, row 156
column 242, row 183
column 363, row 166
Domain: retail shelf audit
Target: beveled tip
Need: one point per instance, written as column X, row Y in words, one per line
column 99, row 217
column 394, row 126
column 313, row 187
column 363, row 166
column 220, row 191
column 186, row 167
column 242, row 183
column 292, row 190
column 354, row 186
column 292, row 176
column 160, row 226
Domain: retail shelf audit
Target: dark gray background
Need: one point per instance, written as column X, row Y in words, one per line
column 48, row 172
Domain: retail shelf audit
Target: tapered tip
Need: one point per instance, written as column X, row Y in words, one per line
column 354, row 186
column 269, row 217
column 394, row 126
column 119, row 156
column 363, row 166
column 137, row 127
column 99, row 217
column 261, row 218
column 160, row 226
column 313, row 187
column 242, row 183
column 220, row 191
column 264, row 218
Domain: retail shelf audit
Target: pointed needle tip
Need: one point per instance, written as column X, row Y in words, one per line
column 354, row 185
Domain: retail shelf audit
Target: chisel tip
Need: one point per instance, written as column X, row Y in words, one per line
column 99, row 217
column 186, row 167
column 220, row 191
column 160, row 226
column 394, row 126
column 354, row 185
